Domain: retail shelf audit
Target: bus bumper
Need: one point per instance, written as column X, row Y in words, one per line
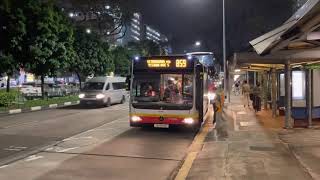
column 151, row 121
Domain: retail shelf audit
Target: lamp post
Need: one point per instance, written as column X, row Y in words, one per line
column 197, row 43
column 224, row 52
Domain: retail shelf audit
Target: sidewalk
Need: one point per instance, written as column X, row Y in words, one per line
column 251, row 149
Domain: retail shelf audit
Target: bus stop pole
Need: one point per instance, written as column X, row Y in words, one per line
column 288, row 87
column 265, row 90
column 309, row 96
column 273, row 92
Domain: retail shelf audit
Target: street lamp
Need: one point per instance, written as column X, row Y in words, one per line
column 71, row 15
column 88, row 31
column 224, row 51
column 198, row 43
column 107, row 7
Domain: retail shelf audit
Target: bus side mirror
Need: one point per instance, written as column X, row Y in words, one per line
column 128, row 83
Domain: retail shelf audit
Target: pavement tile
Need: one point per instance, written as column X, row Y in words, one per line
column 249, row 152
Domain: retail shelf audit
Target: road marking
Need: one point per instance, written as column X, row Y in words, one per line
column 37, row 108
column 33, row 158
column 67, row 103
column 15, row 148
column 4, row 166
column 75, row 138
column 67, row 149
column 15, row 111
column 53, row 105
column 194, row 149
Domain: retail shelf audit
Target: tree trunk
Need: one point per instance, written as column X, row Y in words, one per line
column 79, row 77
column 42, row 87
column 8, row 84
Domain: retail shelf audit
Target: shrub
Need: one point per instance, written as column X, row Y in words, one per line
column 6, row 99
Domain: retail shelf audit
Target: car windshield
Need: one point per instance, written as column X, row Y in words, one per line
column 163, row 91
column 93, row 86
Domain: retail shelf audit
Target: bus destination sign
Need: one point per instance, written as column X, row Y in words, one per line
column 167, row 63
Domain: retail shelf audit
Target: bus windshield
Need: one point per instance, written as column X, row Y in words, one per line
column 163, row 91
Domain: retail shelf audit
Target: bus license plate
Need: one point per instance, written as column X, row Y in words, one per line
column 161, row 125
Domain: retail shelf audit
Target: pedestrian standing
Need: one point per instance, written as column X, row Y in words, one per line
column 257, row 93
column 246, row 93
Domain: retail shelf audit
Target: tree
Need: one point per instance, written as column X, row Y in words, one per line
column 91, row 56
column 12, row 30
column 144, row 48
column 106, row 18
column 48, row 40
column 121, row 59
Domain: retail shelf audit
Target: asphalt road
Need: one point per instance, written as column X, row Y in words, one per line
column 91, row 144
column 24, row 133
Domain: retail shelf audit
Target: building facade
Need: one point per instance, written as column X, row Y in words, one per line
column 134, row 31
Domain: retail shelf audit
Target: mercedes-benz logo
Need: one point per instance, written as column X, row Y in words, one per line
column 161, row 118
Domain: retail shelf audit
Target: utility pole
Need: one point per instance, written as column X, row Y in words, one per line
column 224, row 50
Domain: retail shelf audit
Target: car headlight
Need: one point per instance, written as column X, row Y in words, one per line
column 135, row 119
column 211, row 96
column 188, row 120
column 100, row 96
column 81, row 96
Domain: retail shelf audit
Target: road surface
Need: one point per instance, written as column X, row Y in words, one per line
column 79, row 143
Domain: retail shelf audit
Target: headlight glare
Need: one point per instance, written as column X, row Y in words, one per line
column 81, row 96
column 135, row 119
column 188, row 120
column 100, row 96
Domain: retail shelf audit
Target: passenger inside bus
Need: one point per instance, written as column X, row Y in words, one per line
column 188, row 88
column 171, row 92
column 150, row 92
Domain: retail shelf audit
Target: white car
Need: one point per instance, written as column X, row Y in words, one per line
column 103, row 91
column 31, row 89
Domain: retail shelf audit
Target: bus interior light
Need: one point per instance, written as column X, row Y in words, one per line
column 135, row 119
column 212, row 96
column 188, row 120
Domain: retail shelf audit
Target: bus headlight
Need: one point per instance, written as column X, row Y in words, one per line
column 188, row 120
column 211, row 96
column 135, row 118
column 81, row 96
column 100, row 96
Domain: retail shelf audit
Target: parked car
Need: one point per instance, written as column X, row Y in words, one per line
column 103, row 91
column 31, row 89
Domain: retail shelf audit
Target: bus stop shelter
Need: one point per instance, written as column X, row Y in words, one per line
column 296, row 43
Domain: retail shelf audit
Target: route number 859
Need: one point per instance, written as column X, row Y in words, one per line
column 181, row 63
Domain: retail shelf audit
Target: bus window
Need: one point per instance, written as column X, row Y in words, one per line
column 166, row 90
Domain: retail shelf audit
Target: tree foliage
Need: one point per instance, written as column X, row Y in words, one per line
column 121, row 59
column 144, row 48
column 12, row 30
column 106, row 18
column 92, row 55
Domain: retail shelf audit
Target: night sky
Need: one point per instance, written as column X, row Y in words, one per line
column 185, row 21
